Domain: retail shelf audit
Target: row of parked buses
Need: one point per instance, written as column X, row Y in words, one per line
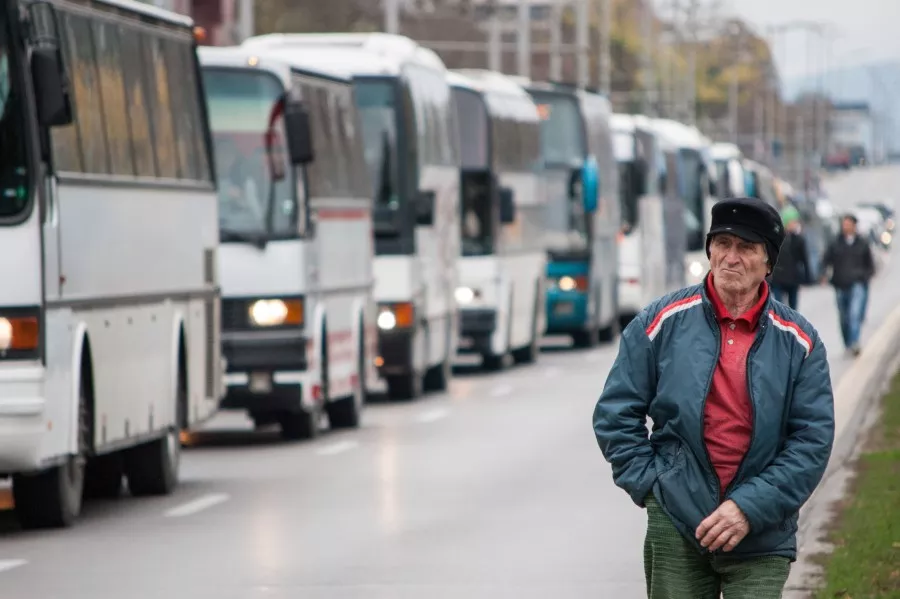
column 278, row 227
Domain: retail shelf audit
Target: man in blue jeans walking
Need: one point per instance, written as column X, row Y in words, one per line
column 852, row 266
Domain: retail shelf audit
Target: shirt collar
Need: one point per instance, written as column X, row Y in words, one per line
column 751, row 316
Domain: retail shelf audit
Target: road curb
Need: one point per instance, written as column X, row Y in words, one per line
column 854, row 397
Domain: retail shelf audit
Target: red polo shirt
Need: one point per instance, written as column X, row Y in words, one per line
column 728, row 417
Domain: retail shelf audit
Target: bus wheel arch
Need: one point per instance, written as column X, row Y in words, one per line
column 152, row 468
column 346, row 412
column 52, row 498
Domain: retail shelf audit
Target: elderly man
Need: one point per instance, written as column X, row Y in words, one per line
column 738, row 388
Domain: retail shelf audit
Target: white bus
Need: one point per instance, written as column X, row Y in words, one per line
column 412, row 151
column 109, row 330
column 295, row 218
column 730, row 170
column 696, row 186
column 643, row 265
column 503, row 194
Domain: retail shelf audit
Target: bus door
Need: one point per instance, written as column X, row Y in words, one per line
column 645, row 171
column 674, row 214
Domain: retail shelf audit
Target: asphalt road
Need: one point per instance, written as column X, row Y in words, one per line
column 495, row 489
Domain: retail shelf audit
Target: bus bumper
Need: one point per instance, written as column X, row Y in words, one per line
column 22, row 419
column 476, row 328
column 630, row 293
column 395, row 352
column 265, row 373
column 567, row 309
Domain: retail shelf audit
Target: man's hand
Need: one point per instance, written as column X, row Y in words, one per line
column 725, row 527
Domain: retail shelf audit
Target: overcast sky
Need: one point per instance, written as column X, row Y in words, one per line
column 867, row 30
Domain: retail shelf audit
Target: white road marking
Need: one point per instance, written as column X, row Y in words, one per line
column 552, row 371
column 433, row 415
column 198, row 505
column 9, row 564
column 336, row 448
column 501, row 390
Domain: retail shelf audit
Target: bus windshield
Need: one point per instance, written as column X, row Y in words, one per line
column 562, row 130
column 257, row 195
column 376, row 102
column 13, row 186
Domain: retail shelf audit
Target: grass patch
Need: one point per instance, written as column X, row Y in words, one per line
column 866, row 535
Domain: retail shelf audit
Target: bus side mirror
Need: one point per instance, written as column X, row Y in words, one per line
column 507, row 206
column 51, row 87
column 299, row 133
column 590, row 184
column 425, row 208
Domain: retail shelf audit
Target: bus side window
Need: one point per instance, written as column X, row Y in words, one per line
column 112, row 92
column 66, row 143
column 85, row 82
column 164, row 127
column 183, row 96
column 140, row 115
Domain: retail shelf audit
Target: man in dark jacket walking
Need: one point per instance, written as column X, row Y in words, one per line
column 792, row 269
column 852, row 266
column 739, row 391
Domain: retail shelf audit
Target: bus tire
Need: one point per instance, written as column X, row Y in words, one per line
column 347, row 412
column 438, row 377
column 299, row 426
column 529, row 353
column 103, row 477
column 53, row 498
column 407, row 386
column 152, row 468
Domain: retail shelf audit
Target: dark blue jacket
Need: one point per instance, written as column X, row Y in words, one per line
column 664, row 369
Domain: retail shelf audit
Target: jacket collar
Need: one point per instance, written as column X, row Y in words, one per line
column 716, row 311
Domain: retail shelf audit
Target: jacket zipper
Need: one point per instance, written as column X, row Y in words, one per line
column 750, row 353
column 712, row 372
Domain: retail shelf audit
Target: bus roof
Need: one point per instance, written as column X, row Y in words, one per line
column 627, row 123
column 725, row 151
column 503, row 97
column 349, row 54
column 239, row 58
column 150, row 10
column 487, row 82
column 675, row 134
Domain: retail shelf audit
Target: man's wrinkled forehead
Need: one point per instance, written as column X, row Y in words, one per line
column 733, row 238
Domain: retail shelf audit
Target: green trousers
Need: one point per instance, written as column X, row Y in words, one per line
column 674, row 569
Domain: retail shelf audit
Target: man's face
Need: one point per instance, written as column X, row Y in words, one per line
column 848, row 226
column 738, row 266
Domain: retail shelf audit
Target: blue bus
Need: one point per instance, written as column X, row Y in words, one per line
column 582, row 219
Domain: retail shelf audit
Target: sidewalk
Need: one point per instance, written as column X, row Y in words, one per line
column 858, row 384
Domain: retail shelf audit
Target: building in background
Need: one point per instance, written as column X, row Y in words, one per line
column 852, row 136
column 218, row 17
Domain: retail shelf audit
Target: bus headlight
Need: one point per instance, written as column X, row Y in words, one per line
column 886, row 238
column 696, row 269
column 20, row 335
column 400, row 315
column 465, row 295
column 567, row 284
column 276, row 312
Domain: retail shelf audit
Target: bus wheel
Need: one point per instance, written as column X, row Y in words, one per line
column 609, row 334
column 584, row 339
column 152, row 468
column 300, row 425
column 103, row 477
column 408, row 386
column 52, row 498
column 347, row 412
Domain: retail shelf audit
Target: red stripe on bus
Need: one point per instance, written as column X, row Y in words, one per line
column 342, row 214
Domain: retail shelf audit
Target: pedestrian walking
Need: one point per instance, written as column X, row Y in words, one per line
column 793, row 268
column 739, row 391
column 852, row 267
